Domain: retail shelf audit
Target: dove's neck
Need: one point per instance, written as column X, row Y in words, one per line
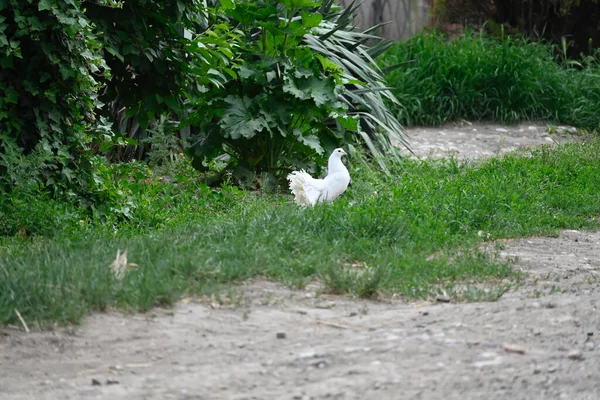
column 335, row 165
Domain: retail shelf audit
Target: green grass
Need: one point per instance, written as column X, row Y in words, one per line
column 477, row 77
column 190, row 240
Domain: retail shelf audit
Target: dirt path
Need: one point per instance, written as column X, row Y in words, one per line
column 282, row 344
column 468, row 140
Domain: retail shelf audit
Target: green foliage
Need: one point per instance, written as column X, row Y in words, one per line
column 49, row 70
column 29, row 212
column 305, row 84
column 55, row 76
column 166, row 146
column 378, row 238
column 161, row 53
column 478, row 77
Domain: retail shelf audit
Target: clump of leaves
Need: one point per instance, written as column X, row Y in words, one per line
column 48, row 83
column 61, row 61
column 161, row 54
column 306, row 83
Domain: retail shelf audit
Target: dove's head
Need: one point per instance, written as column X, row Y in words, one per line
column 335, row 162
column 338, row 153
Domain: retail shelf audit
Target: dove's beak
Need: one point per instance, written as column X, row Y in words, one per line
column 344, row 153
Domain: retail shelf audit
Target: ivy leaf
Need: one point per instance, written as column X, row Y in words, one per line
column 35, row 24
column 238, row 121
column 65, row 19
column 45, row 5
column 66, row 71
column 67, row 173
column 12, row 96
column 31, row 87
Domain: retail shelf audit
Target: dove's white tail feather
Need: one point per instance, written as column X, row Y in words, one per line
column 305, row 188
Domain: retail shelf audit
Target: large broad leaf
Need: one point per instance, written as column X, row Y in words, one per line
column 238, row 120
column 311, row 141
column 319, row 89
column 290, row 86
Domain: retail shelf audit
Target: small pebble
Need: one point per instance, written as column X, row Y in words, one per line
column 590, row 333
column 575, row 355
column 589, row 346
column 112, row 381
column 96, row 382
column 514, row 349
column 442, row 298
column 326, row 305
column 281, row 335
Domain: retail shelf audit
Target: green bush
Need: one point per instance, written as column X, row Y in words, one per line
column 49, row 71
column 161, row 55
column 55, row 76
column 305, row 83
column 476, row 77
column 49, row 67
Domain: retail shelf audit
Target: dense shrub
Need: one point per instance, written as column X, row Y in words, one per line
column 305, row 84
column 49, row 71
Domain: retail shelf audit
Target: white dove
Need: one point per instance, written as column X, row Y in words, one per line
column 308, row 191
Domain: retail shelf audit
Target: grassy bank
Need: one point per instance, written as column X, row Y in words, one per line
column 189, row 239
column 477, row 77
